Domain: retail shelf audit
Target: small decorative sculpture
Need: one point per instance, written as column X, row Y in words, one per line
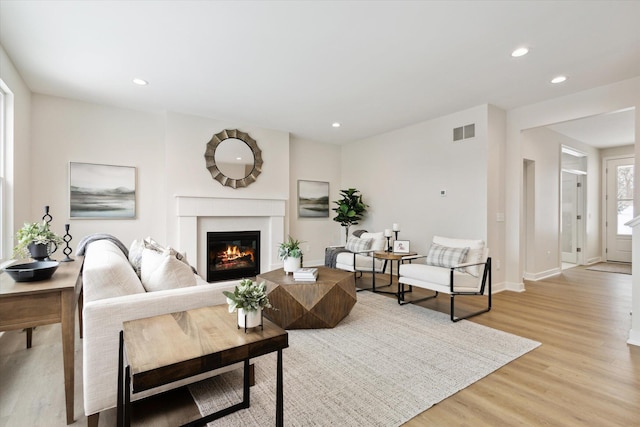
column 67, row 250
column 46, row 217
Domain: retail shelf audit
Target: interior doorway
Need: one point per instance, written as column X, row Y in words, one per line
column 618, row 208
column 572, row 206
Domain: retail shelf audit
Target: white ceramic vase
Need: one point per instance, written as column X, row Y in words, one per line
column 291, row 264
column 252, row 319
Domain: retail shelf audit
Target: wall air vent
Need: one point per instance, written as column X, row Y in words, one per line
column 464, row 132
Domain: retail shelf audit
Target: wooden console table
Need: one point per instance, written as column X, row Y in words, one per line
column 30, row 304
column 170, row 347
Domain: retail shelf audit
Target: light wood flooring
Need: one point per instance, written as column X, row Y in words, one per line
column 583, row 374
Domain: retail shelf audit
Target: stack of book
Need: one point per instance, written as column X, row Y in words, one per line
column 305, row 275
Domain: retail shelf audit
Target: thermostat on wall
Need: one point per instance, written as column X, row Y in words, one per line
column 443, row 193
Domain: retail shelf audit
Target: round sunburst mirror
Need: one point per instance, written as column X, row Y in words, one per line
column 233, row 158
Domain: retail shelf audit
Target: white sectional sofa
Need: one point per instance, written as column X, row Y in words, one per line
column 113, row 293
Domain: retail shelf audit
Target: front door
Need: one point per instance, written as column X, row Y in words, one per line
column 619, row 208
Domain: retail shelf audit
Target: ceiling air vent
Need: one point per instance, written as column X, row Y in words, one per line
column 464, row 132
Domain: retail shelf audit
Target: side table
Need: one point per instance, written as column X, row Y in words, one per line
column 170, row 347
column 391, row 257
column 30, row 304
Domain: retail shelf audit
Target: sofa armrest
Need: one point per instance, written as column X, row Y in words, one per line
column 102, row 322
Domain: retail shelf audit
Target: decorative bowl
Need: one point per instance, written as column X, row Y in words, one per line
column 32, row 271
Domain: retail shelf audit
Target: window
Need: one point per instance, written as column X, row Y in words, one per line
column 625, row 198
column 5, row 141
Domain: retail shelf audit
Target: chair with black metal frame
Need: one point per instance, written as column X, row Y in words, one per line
column 472, row 278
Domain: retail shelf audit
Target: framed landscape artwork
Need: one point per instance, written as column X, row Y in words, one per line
column 313, row 199
column 102, row 191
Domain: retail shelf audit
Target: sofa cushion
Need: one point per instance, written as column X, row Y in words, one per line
column 378, row 240
column 107, row 273
column 160, row 271
column 445, row 256
column 475, row 254
column 357, row 244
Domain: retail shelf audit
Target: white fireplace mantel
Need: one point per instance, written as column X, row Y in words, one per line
column 197, row 215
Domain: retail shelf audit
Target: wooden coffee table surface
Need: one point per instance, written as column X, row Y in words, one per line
column 309, row 305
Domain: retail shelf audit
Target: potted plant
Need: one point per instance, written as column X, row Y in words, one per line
column 248, row 298
column 35, row 239
column 291, row 254
column 350, row 209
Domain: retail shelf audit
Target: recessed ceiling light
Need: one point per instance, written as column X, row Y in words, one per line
column 558, row 79
column 521, row 51
column 238, row 158
column 335, row 125
column 140, row 82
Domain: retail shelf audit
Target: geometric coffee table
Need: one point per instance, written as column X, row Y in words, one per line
column 309, row 305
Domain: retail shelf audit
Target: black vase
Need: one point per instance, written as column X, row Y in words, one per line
column 41, row 251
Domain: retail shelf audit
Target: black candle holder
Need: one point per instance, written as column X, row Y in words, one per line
column 67, row 250
column 46, row 217
column 396, row 233
column 388, row 244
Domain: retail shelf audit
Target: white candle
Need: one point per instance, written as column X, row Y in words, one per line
column 396, row 227
column 387, row 232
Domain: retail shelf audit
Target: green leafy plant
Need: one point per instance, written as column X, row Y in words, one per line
column 248, row 295
column 36, row 232
column 350, row 208
column 290, row 248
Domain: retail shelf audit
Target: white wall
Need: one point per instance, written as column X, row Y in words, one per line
column 314, row 161
column 66, row 131
column 18, row 152
column 401, row 173
column 605, row 99
column 543, row 146
column 186, row 174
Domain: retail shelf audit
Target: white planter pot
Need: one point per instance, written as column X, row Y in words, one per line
column 291, row 264
column 251, row 320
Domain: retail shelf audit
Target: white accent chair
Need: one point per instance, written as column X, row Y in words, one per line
column 457, row 267
column 358, row 257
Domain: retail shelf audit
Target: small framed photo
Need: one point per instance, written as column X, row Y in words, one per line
column 401, row 246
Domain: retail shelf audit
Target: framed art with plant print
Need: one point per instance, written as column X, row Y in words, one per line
column 102, row 191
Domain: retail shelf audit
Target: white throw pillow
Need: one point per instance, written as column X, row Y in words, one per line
column 444, row 256
column 160, row 271
column 379, row 240
column 476, row 250
column 356, row 244
column 135, row 254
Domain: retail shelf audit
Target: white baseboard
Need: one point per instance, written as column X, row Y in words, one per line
column 542, row 275
column 514, row 287
column 594, row 260
column 634, row 337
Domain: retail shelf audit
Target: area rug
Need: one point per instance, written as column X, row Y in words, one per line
column 612, row 267
column 381, row 366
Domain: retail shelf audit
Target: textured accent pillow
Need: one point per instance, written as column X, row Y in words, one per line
column 135, row 255
column 356, row 244
column 379, row 241
column 160, row 271
column 444, row 256
column 475, row 255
